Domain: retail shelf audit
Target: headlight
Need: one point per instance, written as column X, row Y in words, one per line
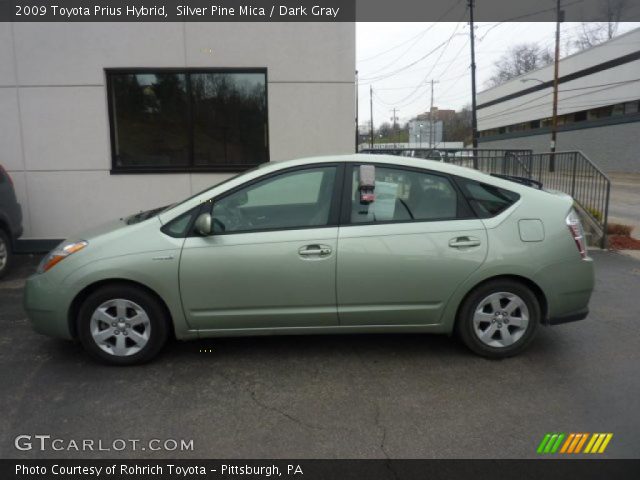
column 59, row 253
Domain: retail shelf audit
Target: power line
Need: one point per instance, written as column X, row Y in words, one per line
column 419, row 35
column 401, row 69
column 422, row 82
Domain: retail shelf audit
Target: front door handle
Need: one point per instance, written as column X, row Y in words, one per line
column 314, row 251
column 464, row 242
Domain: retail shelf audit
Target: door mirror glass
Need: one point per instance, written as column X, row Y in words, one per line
column 203, row 224
column 367, row 184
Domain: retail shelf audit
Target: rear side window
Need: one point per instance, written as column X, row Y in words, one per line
column 404, row 196
column 487, row 200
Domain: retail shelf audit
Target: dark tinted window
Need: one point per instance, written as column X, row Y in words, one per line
column 487, row 200
column 150, row 120
column 229, row 118
column 405, row 195
column 188, row 120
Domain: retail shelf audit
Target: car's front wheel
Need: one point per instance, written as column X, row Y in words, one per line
column 122, row 325
column 5, row 253
column 499, row 318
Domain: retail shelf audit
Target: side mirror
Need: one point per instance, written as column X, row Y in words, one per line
column 203, row 224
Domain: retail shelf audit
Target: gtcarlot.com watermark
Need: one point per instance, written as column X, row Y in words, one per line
column 44, row 443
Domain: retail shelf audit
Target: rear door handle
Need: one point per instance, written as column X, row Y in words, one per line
column 314, row 251
column 464, row 242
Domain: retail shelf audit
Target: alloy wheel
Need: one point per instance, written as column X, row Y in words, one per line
column 501, row 319
column 120, row 327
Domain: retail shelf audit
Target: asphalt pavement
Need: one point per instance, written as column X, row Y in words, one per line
column 351, row 396
column 625, row 200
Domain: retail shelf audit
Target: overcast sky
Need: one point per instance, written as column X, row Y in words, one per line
column 385, row 49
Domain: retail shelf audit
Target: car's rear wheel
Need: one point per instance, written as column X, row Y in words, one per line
column 499, row 318
column 122, row 325
column 6, row 255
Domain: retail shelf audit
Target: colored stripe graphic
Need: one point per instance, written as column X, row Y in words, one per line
column 573, row 443
column 567, row 442
column 582, row 440
column 550, row 443
column 543, row 443
column 591, row 442
column 576, row 439
column 555, row 447
column 598, row 443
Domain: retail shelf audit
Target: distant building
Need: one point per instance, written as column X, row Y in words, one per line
column 598, row 106
column 437, row 114
column 421, row 132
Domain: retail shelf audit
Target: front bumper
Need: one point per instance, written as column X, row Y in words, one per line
column 46, row 308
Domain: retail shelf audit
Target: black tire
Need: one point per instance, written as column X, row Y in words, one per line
column 157, row 316
column 5, row 242
column 467, row 331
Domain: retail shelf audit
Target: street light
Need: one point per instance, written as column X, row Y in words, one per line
column 420, row 134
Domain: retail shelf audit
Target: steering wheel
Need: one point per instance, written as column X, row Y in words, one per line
column 230, row 219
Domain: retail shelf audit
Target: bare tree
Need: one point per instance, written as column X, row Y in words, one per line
column 519, row 60
column 593, row 33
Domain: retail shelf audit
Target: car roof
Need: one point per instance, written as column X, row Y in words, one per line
column 433, row 165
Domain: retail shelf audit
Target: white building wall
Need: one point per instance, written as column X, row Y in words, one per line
column 54, row 126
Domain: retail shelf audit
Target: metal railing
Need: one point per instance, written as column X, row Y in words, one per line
column 460, row 156
column 569, row 172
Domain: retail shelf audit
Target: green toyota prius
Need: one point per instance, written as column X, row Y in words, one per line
column 340, row 244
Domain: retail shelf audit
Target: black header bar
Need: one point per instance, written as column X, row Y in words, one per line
column 300, row 11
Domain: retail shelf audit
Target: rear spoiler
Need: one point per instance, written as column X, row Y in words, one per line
column 522, row 180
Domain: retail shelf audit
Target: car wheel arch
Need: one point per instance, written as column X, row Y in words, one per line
column 533, row 286
column 81, row 296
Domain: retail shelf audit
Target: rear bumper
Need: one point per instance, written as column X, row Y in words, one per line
column 569, row 317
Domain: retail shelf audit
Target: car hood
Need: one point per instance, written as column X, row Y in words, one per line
column 99, row 230
column 120, row 224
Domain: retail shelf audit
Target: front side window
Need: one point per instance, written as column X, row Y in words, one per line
column 404, row 195
column 188, row 120
column 297, row 199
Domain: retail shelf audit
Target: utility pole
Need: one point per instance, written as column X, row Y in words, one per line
column 371, row 110
column 357, row 127
column 394, row 119
column 431, row 127
column 554, row 119
column 474, row 118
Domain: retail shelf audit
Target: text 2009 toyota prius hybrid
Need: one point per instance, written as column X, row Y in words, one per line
column 346, row 244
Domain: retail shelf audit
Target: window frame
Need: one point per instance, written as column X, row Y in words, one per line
column 190, row 167
column 345, row 212
column 334, row 210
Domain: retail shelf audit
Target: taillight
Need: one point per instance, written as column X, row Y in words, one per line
column 577, row 232
column 3, row 173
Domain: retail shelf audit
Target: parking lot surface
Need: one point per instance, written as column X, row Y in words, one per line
column 360, row 396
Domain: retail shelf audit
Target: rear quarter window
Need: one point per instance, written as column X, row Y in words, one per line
column 487, row 200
